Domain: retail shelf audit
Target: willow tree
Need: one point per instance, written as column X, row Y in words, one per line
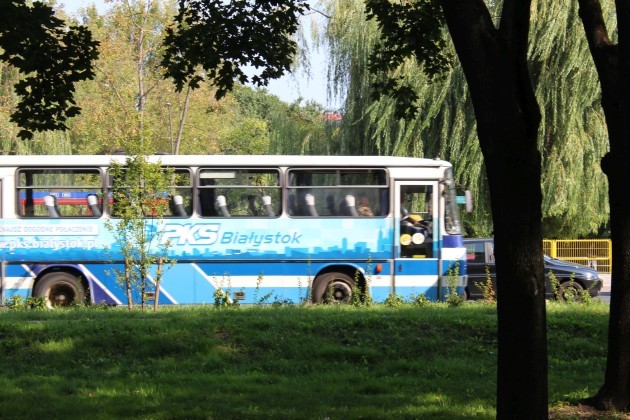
column 572, row 139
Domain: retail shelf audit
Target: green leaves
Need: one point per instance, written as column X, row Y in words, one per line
column 409, row 31
column 223, row 38
column 53, row 57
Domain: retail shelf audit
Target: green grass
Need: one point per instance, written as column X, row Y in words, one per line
column 287, row 362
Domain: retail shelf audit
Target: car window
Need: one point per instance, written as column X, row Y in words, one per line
column 489, row 246
column 475, row 252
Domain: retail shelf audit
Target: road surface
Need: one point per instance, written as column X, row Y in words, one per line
column 604, row 294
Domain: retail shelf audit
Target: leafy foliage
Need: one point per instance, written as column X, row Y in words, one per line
column 409, row 31
column 223, row 37
column 53, row 57
column 572, row 139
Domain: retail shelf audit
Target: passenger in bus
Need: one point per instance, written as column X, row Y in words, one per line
column 363, row 207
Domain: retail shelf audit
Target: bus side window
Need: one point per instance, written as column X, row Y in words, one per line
column 56, row 192
column 239, row 192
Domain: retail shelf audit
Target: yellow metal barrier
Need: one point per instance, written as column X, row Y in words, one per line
column 596, row 253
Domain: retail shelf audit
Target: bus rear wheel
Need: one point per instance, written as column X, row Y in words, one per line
column 333, row 288
column 59, row 289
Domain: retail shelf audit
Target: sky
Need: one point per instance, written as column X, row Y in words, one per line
column 288, row 88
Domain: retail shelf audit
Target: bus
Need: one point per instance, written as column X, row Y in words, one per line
column 287, row 228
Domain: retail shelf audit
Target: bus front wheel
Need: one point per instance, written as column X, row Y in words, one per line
column 59, row 289
column 333, row 288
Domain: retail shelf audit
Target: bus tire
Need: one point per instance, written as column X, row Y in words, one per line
column 59, row 289
column 333, row 287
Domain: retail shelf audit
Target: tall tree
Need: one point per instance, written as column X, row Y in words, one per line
column 494, row 60
column 613, row 67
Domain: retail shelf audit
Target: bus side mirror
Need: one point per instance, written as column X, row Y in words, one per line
column 469, row 201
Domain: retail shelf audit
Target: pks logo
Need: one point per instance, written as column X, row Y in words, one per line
column 191, row 234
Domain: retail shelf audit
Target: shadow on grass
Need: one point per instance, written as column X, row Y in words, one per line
column 290, row 362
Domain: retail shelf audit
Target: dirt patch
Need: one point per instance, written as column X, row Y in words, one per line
column 584, row 412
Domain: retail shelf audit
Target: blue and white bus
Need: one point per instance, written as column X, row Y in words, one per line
column 298, row 228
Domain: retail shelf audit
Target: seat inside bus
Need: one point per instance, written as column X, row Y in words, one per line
column 51, row 206
column 92, row 201
column 222, row 205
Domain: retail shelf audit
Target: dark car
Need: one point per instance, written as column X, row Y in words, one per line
column 572, row 278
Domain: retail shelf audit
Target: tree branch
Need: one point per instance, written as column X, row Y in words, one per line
column 604, row 52
column 514, row 26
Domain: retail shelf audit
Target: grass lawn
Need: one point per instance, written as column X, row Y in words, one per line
column 287, row 362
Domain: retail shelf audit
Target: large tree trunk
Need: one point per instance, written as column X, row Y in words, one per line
column 495, row 64
column 613, row 68
column 615, row 392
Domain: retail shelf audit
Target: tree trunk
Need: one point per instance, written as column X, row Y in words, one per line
column 180, row 130
column 615, row 392
column 128, row 284
column 495, row 64
column 158, row 280
column 613, row 61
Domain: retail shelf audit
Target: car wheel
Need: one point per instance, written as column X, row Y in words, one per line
column 570, row 291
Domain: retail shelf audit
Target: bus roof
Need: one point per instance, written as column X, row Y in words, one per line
column 224, row 160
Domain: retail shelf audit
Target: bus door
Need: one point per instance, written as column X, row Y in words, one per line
column 417, row 252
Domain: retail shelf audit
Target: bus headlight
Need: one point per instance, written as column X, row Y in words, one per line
column 417, row 238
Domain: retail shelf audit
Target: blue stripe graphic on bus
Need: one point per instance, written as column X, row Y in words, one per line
column 453, row 241
column 17, row 270
column 82, row 240
column 186, row 284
